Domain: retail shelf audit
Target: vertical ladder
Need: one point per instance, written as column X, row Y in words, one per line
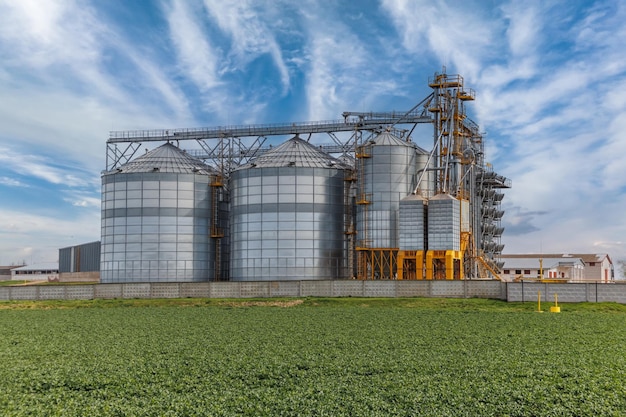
column 362, row 153
column 217, row 233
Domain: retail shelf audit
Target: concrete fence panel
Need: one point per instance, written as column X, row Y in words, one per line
column 379, row 288
column 136, row 290
column 316, row 288
column 224, row 290
column 351, row 288
column 108, row 291
column 454, row 289
column 52, row 292
column 284, row 288
column 5, row 293
column 80, row 292
column 25, row 293
column 567, row 293
column 165, row 290
column 254, row 289
column 485, row 289
column 413, row 288
column 612, row 293
column 194, row 290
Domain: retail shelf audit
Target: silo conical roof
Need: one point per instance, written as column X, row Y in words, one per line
column 295, row 152
column 165, row 158
column 389, row 139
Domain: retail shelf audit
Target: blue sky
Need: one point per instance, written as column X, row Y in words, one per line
column 549, row 76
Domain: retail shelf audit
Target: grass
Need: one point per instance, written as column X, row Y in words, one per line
column 9, row 283
column 447, row 304
column 311, row 356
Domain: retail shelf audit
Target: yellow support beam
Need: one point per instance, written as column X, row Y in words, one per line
column 410, row 265
column 444, row 264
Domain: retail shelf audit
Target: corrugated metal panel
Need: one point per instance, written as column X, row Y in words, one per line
column 89, row 259
column 80, row 258
column 412, row 226
column 65, row 259
column 444, row 229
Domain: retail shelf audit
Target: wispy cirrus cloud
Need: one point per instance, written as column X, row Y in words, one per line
column 41, row 167
column 247, row 25
column 196, row 56
column 456, row 34
column 11, row 182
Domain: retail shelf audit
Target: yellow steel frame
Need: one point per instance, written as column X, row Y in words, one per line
column 444, row 264
column 410, row 264
column 377, row 263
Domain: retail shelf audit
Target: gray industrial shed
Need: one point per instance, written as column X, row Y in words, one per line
column 80, row 262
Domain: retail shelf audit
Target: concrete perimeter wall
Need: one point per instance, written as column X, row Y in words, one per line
column 567, row 293
column 589, row 292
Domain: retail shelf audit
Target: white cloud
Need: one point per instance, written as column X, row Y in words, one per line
column 36, row 238
column 41, row 167
column 456, row 34
column 82, row 199
column 245, row 23
column 197, row 57
column 11, row 182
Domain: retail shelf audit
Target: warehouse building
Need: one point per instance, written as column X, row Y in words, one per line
column 80, row 263
column 5, row 271
column 45, row 271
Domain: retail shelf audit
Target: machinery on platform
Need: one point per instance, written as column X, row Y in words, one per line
column 370, row 205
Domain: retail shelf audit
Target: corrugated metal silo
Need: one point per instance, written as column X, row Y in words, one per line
column 155, row 219
column 387, row 174
column 287, row 216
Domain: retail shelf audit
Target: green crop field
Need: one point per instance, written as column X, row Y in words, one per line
column 311, row 357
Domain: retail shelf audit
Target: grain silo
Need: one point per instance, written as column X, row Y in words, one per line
column 155, row 219
column 287, row 216
column 387, row 169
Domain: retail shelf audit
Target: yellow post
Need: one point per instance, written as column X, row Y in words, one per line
column 539, row 302
column 419, row 262
column 449, row 260
column 555, row 308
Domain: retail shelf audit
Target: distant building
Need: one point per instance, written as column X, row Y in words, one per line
column 80, row 263
column 571, row 267
column 5, row 272
column 48, row 271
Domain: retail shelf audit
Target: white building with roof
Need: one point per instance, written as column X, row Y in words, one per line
column 570, row 267
column 47, row 271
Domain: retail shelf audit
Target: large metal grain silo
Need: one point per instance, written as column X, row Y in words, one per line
column 287, row 216
column 155, row 219
column 388, row 169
